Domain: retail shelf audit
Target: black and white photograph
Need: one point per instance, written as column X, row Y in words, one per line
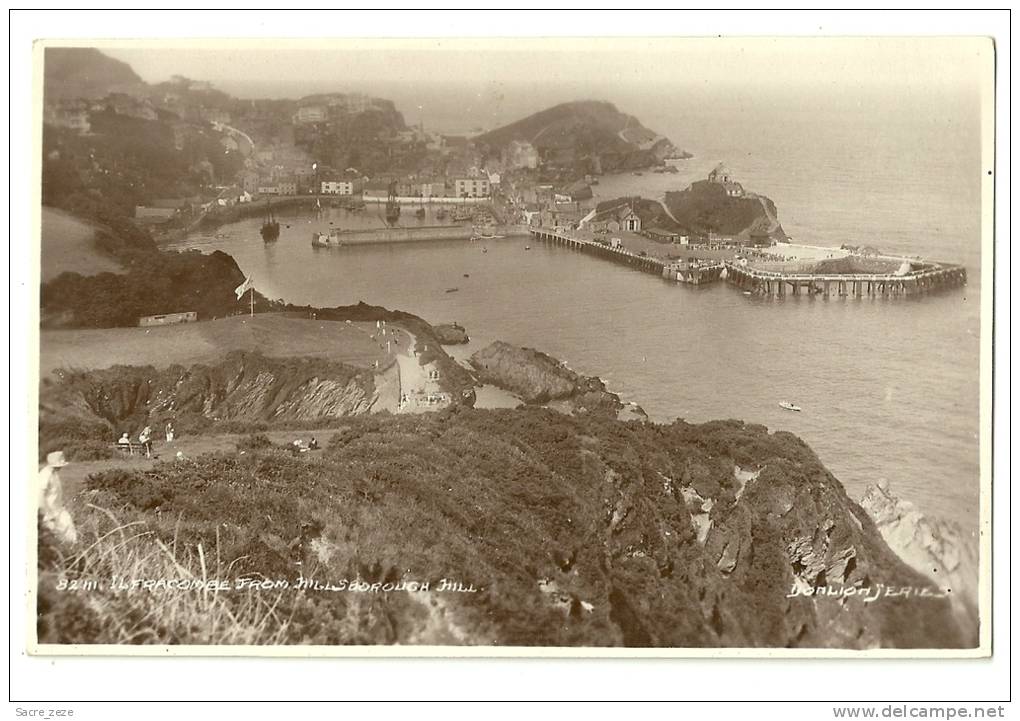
column 602, row 346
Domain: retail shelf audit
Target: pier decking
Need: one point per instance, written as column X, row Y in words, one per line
column 859, row 285
column 681, row 272
column 936, row 276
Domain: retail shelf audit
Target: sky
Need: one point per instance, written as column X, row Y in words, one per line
column 586, row 63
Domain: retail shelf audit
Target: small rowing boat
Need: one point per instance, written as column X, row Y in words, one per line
column 789, row 406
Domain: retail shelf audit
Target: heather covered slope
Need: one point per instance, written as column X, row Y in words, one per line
column 561, row 531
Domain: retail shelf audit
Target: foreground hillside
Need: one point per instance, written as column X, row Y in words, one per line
column 528, row 527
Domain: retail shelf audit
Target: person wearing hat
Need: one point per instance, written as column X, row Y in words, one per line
column 52, row 512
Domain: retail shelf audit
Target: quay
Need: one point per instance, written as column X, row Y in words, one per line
column 931, row 277
column 415, row 234
column 679, row 271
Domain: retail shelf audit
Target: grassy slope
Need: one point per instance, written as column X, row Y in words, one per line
column 540, row 127
column 273, row 334
column 67, row 246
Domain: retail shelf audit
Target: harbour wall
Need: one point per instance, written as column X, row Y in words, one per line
column 423, row 234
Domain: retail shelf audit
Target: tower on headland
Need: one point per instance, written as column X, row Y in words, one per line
column 721, row 175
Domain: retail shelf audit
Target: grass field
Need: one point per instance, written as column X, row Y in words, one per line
column 67, row 246
column 272, row 334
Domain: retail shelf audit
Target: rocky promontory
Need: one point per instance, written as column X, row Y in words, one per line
column 722, row 208
column 451, row 334
column 540, row 379
column 587, row 136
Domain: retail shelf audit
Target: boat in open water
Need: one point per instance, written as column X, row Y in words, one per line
column 789, row 406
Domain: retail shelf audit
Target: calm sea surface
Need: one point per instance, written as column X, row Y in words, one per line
column 889, row 388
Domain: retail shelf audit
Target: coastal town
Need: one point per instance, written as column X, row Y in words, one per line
column 240, row 346
column 355, row 152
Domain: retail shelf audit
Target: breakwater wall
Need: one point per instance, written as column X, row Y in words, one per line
column 857, row 285
column 677, row 271
column 423, row 233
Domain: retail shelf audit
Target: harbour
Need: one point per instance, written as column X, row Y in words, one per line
column 694, row 355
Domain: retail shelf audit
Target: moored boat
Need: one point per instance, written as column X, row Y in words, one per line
column 392, row 207
column 270, row 230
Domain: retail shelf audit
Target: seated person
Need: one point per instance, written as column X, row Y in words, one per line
column 313, row 444
column 124, row 441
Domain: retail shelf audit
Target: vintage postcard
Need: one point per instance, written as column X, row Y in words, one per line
column 588, row 346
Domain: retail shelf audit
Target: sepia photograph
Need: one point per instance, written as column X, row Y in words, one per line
column 604, row 346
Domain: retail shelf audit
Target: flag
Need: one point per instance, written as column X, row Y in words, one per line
column 244, row 287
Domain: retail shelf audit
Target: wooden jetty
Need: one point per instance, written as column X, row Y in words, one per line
column 932, row 277
column 679, row 271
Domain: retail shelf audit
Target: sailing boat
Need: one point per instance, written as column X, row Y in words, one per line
column 270, row 225
column 392, row 207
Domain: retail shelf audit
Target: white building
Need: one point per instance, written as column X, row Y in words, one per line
column 310, row 114
column 471, row 187
column 337, row 187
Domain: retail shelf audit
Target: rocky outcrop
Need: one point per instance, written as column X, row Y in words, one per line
column 706, row 207
column 538, row 378
column 937, row 548
column 451, row 334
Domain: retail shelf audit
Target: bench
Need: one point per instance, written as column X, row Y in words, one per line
column 130, row 448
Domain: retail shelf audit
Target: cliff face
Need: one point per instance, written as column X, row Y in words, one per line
column 938, row 549
column 244, row 386
column 531, row 528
